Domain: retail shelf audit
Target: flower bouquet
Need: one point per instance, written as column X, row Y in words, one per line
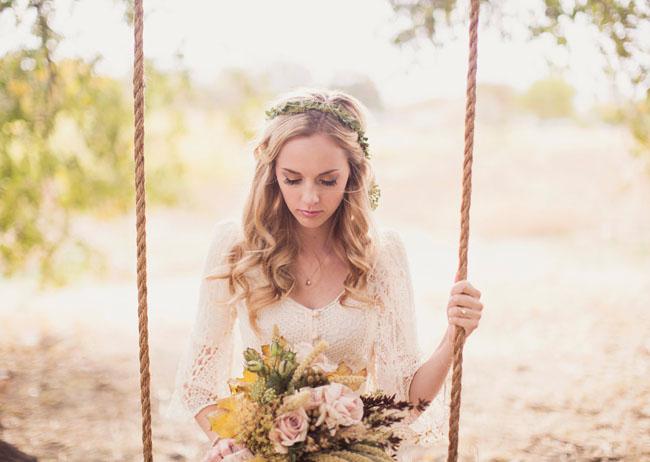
column 295, row 405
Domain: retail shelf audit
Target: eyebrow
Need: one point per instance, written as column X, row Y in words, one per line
column 298, row 173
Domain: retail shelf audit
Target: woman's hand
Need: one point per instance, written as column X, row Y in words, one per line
column 464, row 307
column 226, row 450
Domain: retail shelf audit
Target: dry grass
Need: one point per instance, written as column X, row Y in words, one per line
column 560, row 248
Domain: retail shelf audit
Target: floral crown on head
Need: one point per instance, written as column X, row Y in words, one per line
column 347, row 119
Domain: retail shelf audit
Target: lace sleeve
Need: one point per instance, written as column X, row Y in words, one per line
column 397, row 353
column 206, row 363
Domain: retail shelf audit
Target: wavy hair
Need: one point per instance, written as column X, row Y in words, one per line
column 259, row 263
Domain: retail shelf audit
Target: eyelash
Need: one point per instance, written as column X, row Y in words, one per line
column 325, row 182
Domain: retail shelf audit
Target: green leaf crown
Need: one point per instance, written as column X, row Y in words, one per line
column 347, row 119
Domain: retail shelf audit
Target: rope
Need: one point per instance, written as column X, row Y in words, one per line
column 459, row 338
column 141, row 238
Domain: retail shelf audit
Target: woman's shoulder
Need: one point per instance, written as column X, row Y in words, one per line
column 390, row 254
column 226, row 230
column 390, row 266
column 391, row 244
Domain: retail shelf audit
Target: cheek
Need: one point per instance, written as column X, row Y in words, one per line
column 289, row 194
column 335, row 197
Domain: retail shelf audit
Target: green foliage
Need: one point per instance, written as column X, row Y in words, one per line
column 620, row 39
column 610, row 113
column 426, row 20
column 549, row 98
column 637, row 115
column 617, row 21
column 242, row 97
column 347, row 119
column 641, row 123
column 275, row 371
column 66, row 148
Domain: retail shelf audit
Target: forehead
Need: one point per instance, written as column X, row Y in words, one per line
column 312, row 155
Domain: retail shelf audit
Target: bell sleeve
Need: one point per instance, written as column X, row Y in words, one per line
column 397, row 354
column 206, row 362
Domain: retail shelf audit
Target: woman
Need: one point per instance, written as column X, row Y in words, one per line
column 309, row 258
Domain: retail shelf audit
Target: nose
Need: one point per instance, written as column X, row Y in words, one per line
column 310, row 194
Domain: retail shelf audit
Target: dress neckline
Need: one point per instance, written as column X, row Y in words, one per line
column 331, row 303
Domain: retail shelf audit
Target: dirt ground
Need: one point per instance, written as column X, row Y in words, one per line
column 560, row 247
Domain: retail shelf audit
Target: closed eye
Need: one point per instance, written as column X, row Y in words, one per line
column 325, row 182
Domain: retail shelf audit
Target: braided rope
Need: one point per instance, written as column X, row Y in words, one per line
column 141, row 238
column 459, row 338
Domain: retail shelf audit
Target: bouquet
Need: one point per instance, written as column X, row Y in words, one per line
column 294, row 405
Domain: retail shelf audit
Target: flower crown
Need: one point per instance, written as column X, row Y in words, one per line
column 347, row 119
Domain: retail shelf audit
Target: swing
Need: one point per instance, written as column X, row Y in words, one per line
column 138, row 141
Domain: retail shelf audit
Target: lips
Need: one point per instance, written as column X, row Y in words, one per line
column 312, row 213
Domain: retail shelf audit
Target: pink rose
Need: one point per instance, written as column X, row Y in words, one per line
column 316, row 397
column 337, row 405
column 226, row 448
column 289, row 428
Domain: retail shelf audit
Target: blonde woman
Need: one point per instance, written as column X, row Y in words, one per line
column 308, row 257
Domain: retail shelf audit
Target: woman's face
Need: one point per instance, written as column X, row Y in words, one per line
column 312, row 172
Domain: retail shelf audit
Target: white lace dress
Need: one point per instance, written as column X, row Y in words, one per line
column 385, row 342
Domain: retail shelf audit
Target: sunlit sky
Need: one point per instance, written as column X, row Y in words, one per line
column 327, row 38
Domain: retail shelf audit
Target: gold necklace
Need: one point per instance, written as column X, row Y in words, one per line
column 308, row 280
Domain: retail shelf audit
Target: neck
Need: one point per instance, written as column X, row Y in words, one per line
column 315, row 240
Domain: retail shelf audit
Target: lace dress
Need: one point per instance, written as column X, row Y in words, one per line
column 385, row 342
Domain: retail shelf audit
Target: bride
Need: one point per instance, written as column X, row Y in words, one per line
column 309, row 258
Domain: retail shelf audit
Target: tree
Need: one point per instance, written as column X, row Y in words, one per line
column 549, row 98
column 619, row 25
column 65, row 148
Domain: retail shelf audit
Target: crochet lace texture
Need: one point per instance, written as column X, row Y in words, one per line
column 383, row 341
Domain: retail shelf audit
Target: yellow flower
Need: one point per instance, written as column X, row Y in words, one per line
column 266, row 355
column 345, row 371
column 224, row 420
column 240, row 384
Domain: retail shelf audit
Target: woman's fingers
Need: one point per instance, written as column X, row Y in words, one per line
column 226, row 446
column 467, row 301
column 238, row 456
column 212, row 455
column 464, row 286
column 464, row 307
column 461, row 312
column 222, row 448
column 468, row 324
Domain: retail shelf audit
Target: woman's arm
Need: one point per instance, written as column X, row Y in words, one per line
column 205, row 365
column 430, row 377
column 202, row 419
column 463, row 310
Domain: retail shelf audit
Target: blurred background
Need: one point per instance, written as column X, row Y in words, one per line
column 560, row 214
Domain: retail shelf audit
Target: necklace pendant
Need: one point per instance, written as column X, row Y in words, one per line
column 308, row 282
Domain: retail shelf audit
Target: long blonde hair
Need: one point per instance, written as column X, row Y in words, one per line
column 258, row 264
